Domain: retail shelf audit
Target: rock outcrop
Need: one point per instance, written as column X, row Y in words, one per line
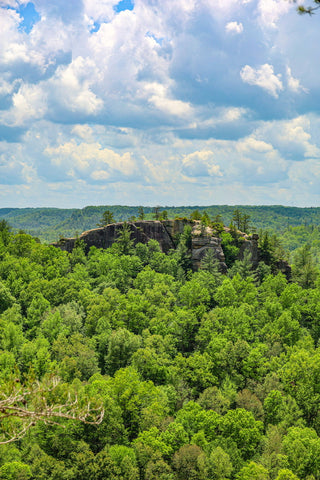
column 166, row 233
column 104, row 237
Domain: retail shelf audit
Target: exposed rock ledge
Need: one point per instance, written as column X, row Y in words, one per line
column 165, row 232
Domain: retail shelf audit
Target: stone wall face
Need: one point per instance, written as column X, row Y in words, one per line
column 104, row 237
column 201, row 244
column 166, row 233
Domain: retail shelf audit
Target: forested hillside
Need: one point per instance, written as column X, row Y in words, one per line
column 50, row 223
column 199, row 375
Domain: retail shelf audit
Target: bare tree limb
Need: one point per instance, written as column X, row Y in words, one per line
column 21, row 407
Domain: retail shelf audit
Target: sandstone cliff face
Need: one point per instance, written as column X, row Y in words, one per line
column 165, row 233
column 104, row 237
column 202, row 241
column 141, row 232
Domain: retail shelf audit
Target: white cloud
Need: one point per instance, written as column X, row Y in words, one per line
column 29, row 103
column 291, row 137
column 263, row 77
column 83, row 131
column 158, row 95
column 251, row 144
column 201, row 163
column 294, row 84
column 71, row 86
column 89, row 158
column 234, row 27
column 271, row 11
column 100, row 10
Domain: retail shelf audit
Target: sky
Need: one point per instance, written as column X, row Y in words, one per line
column 158, row 102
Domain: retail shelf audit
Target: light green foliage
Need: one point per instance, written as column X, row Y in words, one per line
column 195, row 296
column 76, row 357
column 36, row 354
column 304, row 270
column 15, row 471
column 302, row 446
column 151, row 365
column 122, row 345
column 209, row 263
column 281, row 409
column 242, row 267
column 125, row 459
column 241, row 426
column 158, row 469
column 235, row 291
column 230, row 250
column 201, row 376
column 196, row 371
column 285, row 474
column 300, row 376
column 124, row 243
column 218, row 465
column 142, row 403
column 6, row 299
column 253, row 471
column 194, row 419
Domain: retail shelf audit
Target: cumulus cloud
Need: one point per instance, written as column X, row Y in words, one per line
column 201, row 164
column 294, row 83
column 263, row 77
column 28, row 103
column 91, row 160
column 90, row 96
column 158, row 95
column 271, row 11
column 83, row 131
column 291, row 137
column 72, row 87
column 234, row 27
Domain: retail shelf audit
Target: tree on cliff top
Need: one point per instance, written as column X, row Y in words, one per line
column 107, row 218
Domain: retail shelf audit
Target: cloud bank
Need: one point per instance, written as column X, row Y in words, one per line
column 158, row 102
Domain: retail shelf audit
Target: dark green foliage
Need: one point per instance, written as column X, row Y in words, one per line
column 107, row 218
column 124, row 244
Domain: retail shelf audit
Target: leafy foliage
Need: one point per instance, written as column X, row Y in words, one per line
column 200, row 375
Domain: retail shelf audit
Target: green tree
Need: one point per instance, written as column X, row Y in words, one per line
column 253, row 471
column 195, row 215
column 302, row 446
column 122, row 345
column 210, row 263
column 304, row 270
column 158, row 469
column 141, row 214
column 5, row 230
column 241, row 426
column 285, row 474
column 218, row 465
column 107, row 218
column 242, row 267
column 156, row 212
column 237, row 218
column 15, row 471
column 188, row 463
column 124, row 242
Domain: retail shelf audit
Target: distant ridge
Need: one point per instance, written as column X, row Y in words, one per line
column 49, row 224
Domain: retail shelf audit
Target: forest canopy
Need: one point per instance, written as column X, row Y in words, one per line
column 200, row 375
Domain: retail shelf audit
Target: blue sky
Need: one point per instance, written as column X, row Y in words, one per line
column 169, row 102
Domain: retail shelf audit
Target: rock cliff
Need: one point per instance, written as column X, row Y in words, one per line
column 166, row 233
